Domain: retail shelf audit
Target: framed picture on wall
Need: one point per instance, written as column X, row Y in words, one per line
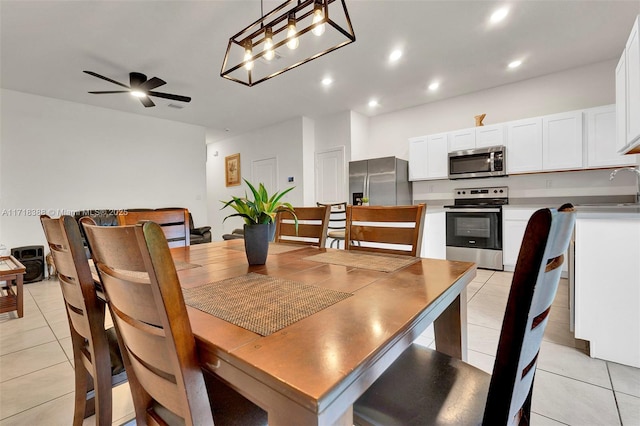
column 232, row 170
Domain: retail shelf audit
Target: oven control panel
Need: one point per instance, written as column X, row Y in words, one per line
column 474, row 193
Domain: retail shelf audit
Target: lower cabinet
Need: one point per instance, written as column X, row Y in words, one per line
column 607, row 285
column 514, row 223
column 434, row 234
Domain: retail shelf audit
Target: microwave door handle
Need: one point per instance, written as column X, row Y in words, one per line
column 492, row 161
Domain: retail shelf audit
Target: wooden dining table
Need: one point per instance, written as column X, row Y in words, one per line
column 313, row 370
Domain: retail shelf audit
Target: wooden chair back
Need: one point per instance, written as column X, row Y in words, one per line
column 93, row 346
column 534, row 285
column 312, row 226
column 385, row 229
column 337, row 222
column 145, row 298
column 174, row 223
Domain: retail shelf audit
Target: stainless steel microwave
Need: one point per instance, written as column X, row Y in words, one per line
column 478, row 163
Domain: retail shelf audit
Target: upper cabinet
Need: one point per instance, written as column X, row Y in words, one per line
column 524, row 146
column 461, row 140
column 428, row 157
column 492, row 135
column 562, row 141
column 628, row 94
column 601, row 147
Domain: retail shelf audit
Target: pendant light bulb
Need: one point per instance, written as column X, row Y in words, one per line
column 248, row 54
column 268, row 44
column 318, row 16
column 292, row 32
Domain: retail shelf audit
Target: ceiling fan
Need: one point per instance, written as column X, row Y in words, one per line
column 141, row 88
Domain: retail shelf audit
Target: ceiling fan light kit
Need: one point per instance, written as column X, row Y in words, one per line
column 140, row 88
column 278, row 41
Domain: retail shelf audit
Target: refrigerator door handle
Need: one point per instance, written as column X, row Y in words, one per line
column 366, row 186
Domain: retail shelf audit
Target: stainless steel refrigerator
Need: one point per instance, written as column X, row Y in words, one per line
column 385, row 181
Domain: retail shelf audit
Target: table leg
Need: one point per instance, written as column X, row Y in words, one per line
column 19, row 295
column 451, row 328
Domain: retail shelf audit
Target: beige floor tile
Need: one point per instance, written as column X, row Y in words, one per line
column 573, row 402
column 33, row 389
column 424, row 341
column 57, row 412
column 496, row 290
column 501, row 278
column 60, row 327
column 67, row 346
column 18, row 341
column 483, row 339
column 574, row 364
column 538, row 420
column 29, row 360
column 50, row 303
column 122, row 410
column 472, row 289
column 11, row 324
column 486, row 310
column 558, row 332
column 482, row 361
column 482, row 275
column 629, row 409
column 625, row 379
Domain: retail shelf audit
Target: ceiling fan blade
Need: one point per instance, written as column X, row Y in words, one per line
column 105, row 78
column 147, row 102
column 152, row 83
column 109, row 91
column 170, row 96
column 137, row 79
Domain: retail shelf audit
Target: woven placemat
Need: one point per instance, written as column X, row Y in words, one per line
column 259, row 303
column 376, row 262
column 274, row 248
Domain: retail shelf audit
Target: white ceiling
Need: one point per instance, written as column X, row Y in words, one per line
column 45, row 46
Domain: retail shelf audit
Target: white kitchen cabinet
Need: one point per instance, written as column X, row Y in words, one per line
column 514, row 223
column 601, row 147
column 462, row 139
column 562, row 141
column 428, row 157
column 607, row 285
column 524, row 146
column 434, row 234
column 621, row 104
column 489, row 135
column 628, row 92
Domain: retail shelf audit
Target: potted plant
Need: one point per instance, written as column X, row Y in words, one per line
column 365, row 201
column 259, row 215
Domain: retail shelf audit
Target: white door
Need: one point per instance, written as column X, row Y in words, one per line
column 265, row 171
column 331, row 185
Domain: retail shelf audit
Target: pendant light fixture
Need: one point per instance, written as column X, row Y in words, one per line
column 277, row 42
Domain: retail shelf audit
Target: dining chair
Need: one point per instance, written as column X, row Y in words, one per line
column 337, row 220
column 159, row 350
column 97, row 361
column 385, row 229
column 427, row 387
column 311, row 229
column 174, row 223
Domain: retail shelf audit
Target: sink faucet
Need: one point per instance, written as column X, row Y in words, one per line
column 635, row 170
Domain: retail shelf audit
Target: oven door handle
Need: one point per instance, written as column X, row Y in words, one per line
column 472, row 210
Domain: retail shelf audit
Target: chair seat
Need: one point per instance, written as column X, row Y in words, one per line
column 338, row 235
column 425, row 387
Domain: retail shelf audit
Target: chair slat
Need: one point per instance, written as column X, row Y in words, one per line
column 314, row 227
column 134, row 299
column 379, row 234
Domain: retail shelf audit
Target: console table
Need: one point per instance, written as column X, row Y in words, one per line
column 11, row 271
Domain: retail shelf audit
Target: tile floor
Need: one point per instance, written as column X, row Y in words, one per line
column 36, row 376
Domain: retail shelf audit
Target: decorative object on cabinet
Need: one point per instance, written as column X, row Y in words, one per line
column 252, row 54
column 479, row 119
column 232, row 170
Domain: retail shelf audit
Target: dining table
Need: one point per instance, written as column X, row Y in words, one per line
column 311, row 369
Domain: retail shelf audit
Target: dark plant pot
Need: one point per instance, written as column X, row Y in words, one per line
column 272, row 231
column 256, row 243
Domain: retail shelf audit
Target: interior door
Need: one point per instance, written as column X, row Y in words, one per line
column 331, row 186
column 265, row 171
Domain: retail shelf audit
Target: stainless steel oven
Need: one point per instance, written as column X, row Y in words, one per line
column 474, row 226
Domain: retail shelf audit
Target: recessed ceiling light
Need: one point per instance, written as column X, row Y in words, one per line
column 499, row 15
column 434, row 86
column 373, row 103
column 515, row 64
column 395, row 55
column 327, row 81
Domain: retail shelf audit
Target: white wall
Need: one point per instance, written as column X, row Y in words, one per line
column 285, row 141
column 58, row 156
column 360, row 136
